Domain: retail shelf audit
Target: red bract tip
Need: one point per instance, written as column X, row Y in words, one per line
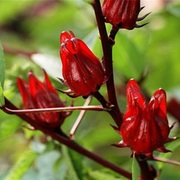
column 122, row 13
column 82, row 70
column 145, row 125
column 37, row 94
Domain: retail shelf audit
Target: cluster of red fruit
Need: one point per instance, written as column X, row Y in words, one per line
column 144, row 127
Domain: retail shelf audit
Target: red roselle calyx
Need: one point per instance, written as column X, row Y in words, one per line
column 122, row 13
column 82, row 70
column 37, row 94
column 145, row 125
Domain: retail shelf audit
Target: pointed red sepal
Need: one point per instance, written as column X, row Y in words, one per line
column 121, row 144
column 163, row 149
column 115, row 128
column 68, row 92
column 172, row 139
column 143, row 17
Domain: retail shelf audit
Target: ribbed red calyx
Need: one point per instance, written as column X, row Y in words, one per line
column 145, row 125
column 37, row 94
column 82, row 70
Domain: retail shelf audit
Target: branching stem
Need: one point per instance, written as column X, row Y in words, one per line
column 107, row 58
column 55, row 109
column 58, row 135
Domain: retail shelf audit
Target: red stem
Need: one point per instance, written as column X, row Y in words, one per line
column 107, row 51
column 107, row 44
column 55, row 109
column 146, row 174
column 58, row 135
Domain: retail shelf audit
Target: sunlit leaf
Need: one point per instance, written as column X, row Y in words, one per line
column 8, row 125
column 22, row 165
column 77, row 162
column 17, row 6
column 44, row 167
column 128, row 57
column 135, row 169
column 72, row 170
column 2, row 75
column 98, row 175
column 174, row 9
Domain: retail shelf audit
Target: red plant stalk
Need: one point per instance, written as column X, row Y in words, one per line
column 64, row 139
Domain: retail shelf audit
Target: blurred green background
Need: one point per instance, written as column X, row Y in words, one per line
column 35, row 26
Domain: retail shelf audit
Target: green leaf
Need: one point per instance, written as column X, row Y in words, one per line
column 22, row 165
column 97, row 175
column 128, row 57
column 46, row 167
column 72, row 163
column 135, row 169
column 175, row 9
column 8, row 125
column 1, row 96
column 7, row 6
column 77, row 160
column 2, row 75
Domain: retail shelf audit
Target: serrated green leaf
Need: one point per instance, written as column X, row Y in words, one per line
column 135, row 169
column 22, row 165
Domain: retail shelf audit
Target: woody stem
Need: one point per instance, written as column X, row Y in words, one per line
column 107, row 58
column 79, row 118
column 55, row 109
column 146, row 174
column 58, row 135
column 107, row 44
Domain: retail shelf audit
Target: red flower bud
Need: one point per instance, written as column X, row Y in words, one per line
column 82, row 70
column 37, row 94
column 122, row 13
column 145, row 125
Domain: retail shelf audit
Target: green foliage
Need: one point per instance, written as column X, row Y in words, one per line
column 73, row 163
column 98, row 175
column 2, row 75
column 8, row 125
column 21, row 166
column 135, row 169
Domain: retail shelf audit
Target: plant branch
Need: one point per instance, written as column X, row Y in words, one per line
column 63, row 139
column 107, row 52
column 164, row 160
column 55, row 109
column 79, row 118
column 146, row 174
column 107, row 44
column 17, row 51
